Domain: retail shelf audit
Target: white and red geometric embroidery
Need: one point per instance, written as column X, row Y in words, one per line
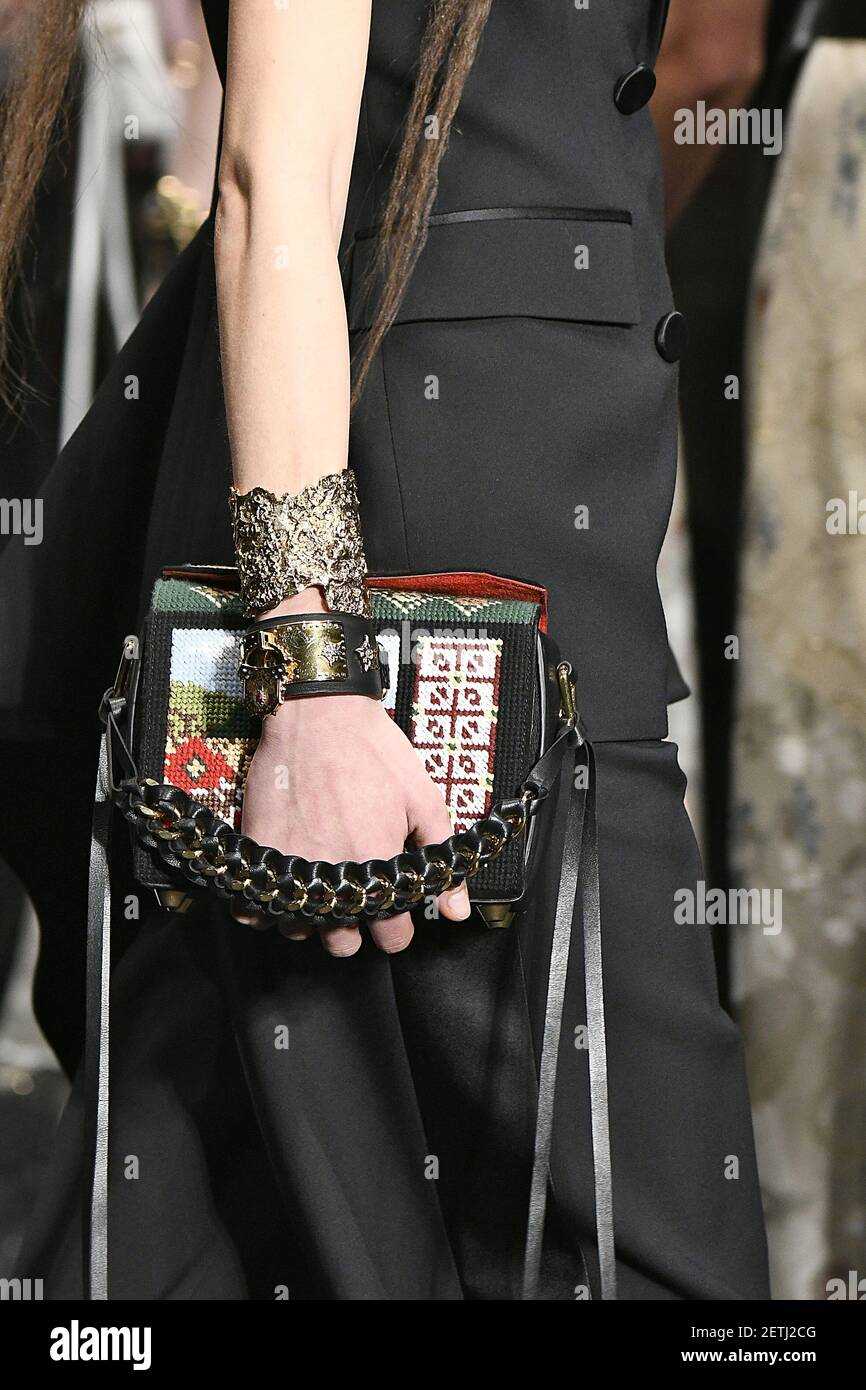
column 455, row 707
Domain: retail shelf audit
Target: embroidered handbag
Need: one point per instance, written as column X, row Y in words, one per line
column 473, row 683
column 476, row 683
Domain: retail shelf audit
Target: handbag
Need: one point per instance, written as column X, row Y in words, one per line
column 476, row 683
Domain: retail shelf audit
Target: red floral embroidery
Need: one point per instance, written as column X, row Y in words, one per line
column 195, row 767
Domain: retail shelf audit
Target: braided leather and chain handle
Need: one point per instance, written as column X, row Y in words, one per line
column 209, row 853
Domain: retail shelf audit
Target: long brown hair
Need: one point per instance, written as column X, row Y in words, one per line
column 45, row 50
column 35, row 92
column 448, row 52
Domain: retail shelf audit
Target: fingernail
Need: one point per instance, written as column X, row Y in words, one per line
column 458, row 899
column 393, row 948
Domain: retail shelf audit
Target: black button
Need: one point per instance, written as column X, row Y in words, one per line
column 635, row 89
column 671, row 336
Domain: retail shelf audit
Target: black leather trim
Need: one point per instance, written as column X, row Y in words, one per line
column 512, row 263
column 517, row 214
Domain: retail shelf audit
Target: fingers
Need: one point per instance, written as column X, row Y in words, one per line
column 248, row 917
column 394, row 934
column 391, row 935
column 432, row 825
column 429, row 824
column 293, row 930
column 340, row 941
column 455, row 904
column 337, row 941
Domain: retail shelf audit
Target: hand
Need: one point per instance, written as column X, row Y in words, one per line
column 335, row 778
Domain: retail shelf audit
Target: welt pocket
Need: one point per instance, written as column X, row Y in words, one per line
column 551, row 263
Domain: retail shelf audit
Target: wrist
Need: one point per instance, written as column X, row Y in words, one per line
column 309, row 600
column 318, row 711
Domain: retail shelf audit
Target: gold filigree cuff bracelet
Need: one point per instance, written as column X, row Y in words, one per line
column 286, row 542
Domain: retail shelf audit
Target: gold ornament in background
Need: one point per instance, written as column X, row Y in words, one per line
column 186, row 64
column 177, row 213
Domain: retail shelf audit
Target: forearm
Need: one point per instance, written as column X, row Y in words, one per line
column 293, row 96
column 284, row 340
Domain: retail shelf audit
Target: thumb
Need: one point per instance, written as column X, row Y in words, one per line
column 430, row 826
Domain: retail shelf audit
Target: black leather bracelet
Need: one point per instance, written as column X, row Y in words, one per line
column 301, row 654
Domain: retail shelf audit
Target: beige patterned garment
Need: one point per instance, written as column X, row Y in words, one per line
column 800, row 818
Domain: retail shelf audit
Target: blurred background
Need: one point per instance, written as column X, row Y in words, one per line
column 766, row 600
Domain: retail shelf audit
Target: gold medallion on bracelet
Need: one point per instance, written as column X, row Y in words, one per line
column 299, row 653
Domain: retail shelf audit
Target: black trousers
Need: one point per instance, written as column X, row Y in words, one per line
column 288, row 1123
